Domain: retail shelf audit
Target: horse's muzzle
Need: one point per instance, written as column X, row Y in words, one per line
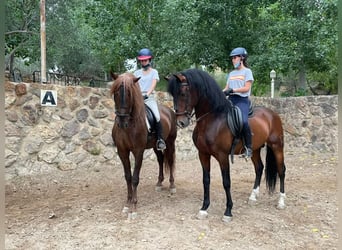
column 183, row 123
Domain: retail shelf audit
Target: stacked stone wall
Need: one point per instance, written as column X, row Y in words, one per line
column 77, row 132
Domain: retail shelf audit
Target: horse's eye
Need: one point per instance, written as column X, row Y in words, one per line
column 183, row 94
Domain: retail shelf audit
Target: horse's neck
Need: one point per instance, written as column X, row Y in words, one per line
column 201, row 109
column 139, row 115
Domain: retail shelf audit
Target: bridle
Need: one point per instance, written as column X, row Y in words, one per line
column 189, row 113
column 123, row 105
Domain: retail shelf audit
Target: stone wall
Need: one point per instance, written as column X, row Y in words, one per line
column 77, row 133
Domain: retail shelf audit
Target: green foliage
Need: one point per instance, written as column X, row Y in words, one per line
column 90, row 37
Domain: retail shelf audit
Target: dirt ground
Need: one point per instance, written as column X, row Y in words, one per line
column 81, row 209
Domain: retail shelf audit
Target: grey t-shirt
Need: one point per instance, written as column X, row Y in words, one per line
column 238, row 78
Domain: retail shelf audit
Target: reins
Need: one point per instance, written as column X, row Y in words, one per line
column 201, row 117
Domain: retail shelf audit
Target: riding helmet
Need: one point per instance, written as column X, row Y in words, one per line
column 239, row 52
column 145, row 54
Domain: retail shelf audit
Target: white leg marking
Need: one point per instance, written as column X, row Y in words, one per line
column 254, row 195
column 173, row 190
column 202, row 214
column 281, row 202
column 227, row 218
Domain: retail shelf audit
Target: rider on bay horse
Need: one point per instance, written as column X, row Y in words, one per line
column 238, row 88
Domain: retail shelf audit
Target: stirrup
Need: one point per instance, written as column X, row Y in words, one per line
column 161, row 144
column 248, row 152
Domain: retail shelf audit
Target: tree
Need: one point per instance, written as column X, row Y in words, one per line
column 299, row 40
column 21, row 30
column 89, row 37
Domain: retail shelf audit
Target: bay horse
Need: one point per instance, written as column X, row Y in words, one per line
column 131, row 134
column 196, row 90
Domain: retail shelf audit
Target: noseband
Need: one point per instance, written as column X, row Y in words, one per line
column 187, row 112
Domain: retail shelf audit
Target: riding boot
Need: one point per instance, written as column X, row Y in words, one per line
column 160, row 142
column 248, row 142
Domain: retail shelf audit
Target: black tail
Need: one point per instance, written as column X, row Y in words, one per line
column 170, row 151
column 271, row 170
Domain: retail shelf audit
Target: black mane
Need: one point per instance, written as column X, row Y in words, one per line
column 206, row 87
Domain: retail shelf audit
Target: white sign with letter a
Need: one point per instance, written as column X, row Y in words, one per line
column 48, row 98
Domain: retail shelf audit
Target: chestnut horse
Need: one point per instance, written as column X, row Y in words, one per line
column 196, row 90
column 132, row 134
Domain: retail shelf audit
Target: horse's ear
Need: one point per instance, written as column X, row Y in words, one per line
column 113, row 75
column 180, row 77
column 167, row 78
column 136, row 79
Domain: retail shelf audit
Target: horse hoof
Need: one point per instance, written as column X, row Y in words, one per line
column 252, row 202
column 125, row 210
column 281, row 201
column 281, row 206
column 132, row 216
column 227, row 218
column 173, row 190
column 202, row 214
column 158, row 188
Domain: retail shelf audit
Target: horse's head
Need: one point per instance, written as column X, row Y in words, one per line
column 194, row 89
column 183, row 98
column 124, row 90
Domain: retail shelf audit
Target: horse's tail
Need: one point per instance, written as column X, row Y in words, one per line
column 169, row 158
column 170, row 151
column 271, row 170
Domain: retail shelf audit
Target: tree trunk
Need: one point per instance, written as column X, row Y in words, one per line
column 302, row 79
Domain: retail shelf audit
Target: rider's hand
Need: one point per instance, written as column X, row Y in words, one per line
column 228, row 91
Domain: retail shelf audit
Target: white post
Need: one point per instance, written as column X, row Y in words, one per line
column 272, row 76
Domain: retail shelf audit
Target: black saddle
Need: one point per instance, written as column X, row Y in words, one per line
column 235, row 124
column 234, row 119
column 151, row 119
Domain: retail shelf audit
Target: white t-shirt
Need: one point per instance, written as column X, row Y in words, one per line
column 146, row 80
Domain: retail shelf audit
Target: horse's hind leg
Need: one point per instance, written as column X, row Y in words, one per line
column 160, row 159
column 275, row 166
column 169, row 163
column 281, row 173
column 259, row 168
column 282, row 196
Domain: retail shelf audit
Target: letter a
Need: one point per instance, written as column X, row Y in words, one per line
column 48, row 98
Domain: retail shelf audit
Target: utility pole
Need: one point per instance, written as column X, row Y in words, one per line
column 42, row 43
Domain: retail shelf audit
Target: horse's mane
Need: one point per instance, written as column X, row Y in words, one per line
column 208, row 88
column 131, row 87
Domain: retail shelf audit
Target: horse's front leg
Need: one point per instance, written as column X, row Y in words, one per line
column 124, row 156
column 225, row 172
column 135, row 183
column 205, row 162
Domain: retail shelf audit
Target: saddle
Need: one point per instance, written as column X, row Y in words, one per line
column 235, row 124
column 150, row 120
column 234, row 119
